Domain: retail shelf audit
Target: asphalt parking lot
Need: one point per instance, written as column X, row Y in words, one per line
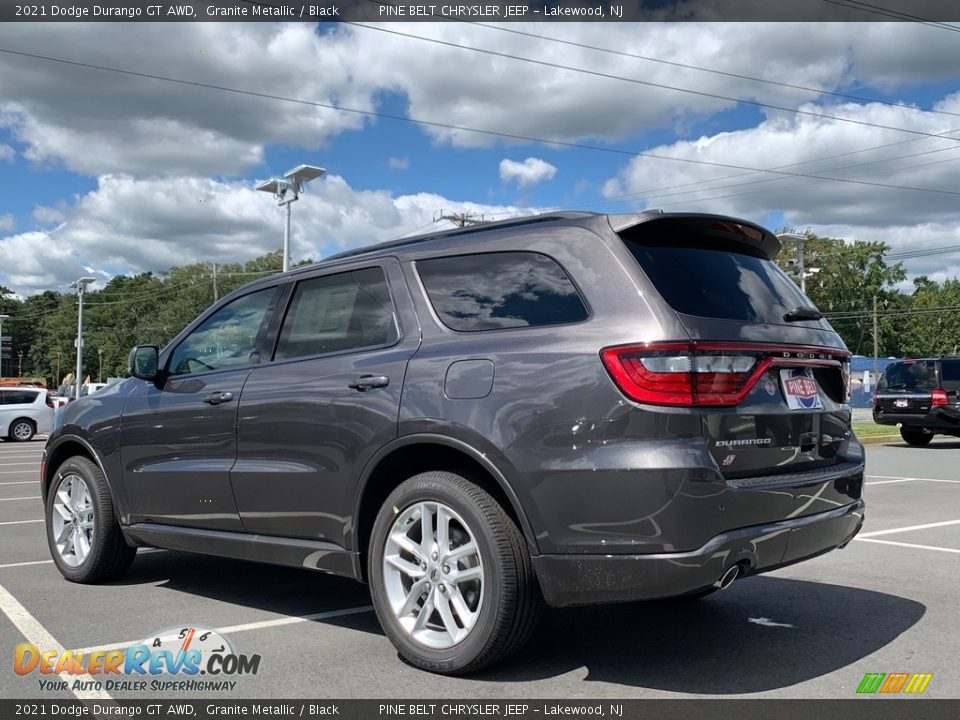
column 888, row 603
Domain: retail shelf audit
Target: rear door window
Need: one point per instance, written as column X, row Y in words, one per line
column 18, row 397
column 913, row 375
column 492, row 291
column 950, row 373
column 336, row 313
column 712, row 278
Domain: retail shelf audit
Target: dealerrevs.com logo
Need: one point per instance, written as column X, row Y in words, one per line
column 894, row 683
column 170, row 660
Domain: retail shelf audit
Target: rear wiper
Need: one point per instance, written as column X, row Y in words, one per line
column 803, row 313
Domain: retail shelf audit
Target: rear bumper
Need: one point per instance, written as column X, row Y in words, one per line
column 939, row 419
column 591, row 579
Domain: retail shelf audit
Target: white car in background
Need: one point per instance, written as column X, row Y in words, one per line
column 24, row 412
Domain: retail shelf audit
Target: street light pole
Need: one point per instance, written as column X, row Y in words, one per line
column 81, row 286
column 100, row 365
column 287, row 190
column 2, row 318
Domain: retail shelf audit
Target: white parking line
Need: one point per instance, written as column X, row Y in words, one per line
column 29, row 497
column 6, row 464
column 901, row 477
column 20, row 482
column 880, row 482
column 909, row 528
column 37, row 634
column 909, row 545
column 20, row 522
column 231, row 629
column 24, row 564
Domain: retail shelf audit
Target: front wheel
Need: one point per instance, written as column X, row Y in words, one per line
column 82, row 530
column 914, row 436
column 450, row 575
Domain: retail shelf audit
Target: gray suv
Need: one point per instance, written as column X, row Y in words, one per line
column 574, row 408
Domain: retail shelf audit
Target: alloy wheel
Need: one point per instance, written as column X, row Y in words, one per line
column 74, row 524
column 433, row 574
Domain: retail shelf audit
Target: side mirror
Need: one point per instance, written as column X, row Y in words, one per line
column 143, row 362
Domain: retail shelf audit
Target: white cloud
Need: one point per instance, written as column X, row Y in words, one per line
column 133, row 225
column 529, row 172
column 49, row 215
column 6, row 153
column 97, row 122
column 810, row 146
column 7, row 222
column 399, row 163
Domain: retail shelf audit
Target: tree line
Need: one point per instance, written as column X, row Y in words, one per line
column 154, row 307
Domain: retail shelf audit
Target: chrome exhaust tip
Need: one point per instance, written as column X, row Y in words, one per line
column 732, row 573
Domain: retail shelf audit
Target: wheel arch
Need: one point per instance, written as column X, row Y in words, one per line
column 411, row 455
column 67, row 447
column 23, row 418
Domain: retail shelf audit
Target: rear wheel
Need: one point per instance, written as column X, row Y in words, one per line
column 22, row 430
column 450, row 576
column 82, row 529
column 915, row 436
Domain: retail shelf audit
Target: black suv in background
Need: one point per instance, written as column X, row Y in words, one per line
column 572, row 407
column 921, row 397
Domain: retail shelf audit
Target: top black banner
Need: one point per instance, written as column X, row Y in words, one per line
column 932, row 12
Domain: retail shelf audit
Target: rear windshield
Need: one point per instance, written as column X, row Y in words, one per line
column 918, row 375
column 713, row 278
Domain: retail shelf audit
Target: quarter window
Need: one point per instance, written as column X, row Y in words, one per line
column 337, row 313
column 226, row 339
column 492, row 291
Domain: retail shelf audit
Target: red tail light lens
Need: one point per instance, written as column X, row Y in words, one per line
column 939, row 397
column 701, row 374
column 50, row 401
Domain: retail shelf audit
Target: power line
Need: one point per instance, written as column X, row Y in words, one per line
column 713, row 71
column 888, row 12
column 462, row 128
column 646, row 83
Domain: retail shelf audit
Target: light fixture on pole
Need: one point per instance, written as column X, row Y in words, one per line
column 802, row 272
column 287, row 190
column 2, row 318
column 81, row 286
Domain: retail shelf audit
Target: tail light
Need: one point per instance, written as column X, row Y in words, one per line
column 939, row 397
column 50, row 402
column 702, row 374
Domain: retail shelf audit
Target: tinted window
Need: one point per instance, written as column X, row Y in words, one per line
column 714, row 279
column 950, row 373
column 918, row 375
column 18, row 397
column 226, row 339
column 500, row 290
column 336, row 313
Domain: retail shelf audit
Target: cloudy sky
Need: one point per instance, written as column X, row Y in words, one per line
column 850, row 130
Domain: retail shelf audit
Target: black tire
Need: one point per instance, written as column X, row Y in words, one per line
column 109, row 555
column 510, row 598
column 21, row 430
column 915, row 436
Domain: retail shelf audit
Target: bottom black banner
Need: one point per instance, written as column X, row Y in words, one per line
column 719, row 709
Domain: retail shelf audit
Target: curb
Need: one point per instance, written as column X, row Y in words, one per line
column 879, row 439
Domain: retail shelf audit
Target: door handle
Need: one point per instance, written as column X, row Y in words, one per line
column 369, row 382
column 216, row 398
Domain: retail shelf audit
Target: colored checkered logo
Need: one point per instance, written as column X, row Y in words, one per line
column 894, row 683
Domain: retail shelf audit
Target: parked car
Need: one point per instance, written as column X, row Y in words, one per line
column 575, row 407
column 920, row 396
column 24, row 412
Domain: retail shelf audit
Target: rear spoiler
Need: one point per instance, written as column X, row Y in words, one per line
column 721, row 226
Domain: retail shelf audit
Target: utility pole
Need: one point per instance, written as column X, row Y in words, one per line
column 19, row 363
column 876, row 342
column 2, row 318
column 216, row 293
column 801, row 241
column 460, row 219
